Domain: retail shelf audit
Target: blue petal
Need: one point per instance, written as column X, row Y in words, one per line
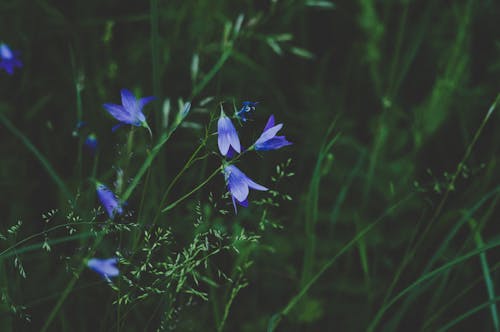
column 7, row 66
column 5, row 52
column 105, row 267
column 255, row 186
column 119, row 113
column 108, row 200
column 270, row 123
column 144, row 101
column 227, row 135
column 244, row 203
column 274, row 143
column 231, row 153
column 9, row 59
column 237, row 183
column 115, row 127
column 268, row 134
column 129, row 101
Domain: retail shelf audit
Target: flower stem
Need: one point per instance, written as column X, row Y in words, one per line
column 195, row 189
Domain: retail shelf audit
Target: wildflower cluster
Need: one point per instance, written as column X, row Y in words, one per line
column 239, row 183
column 148, row 270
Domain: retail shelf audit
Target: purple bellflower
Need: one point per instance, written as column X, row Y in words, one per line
column 227, row 137
column 108, row 200
column 246, row 107
column 105, row 267
column 130, row 112
column 238, row 184
column 9, row 59
column 268, row 139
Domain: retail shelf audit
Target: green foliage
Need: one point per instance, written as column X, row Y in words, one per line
column 382, row 215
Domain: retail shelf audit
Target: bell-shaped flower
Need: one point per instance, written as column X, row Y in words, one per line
column 9, row 59
column 105, row 267
column 268, row 139
column 108, row 200
column 238, row 184
column 227, row 137
column 246, row 108
column 130, row 112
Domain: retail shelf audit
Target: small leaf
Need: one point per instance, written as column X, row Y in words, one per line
column 320, row 4
column 274, row 45
column 195, row 64
column 303, row 53
column 237, row 25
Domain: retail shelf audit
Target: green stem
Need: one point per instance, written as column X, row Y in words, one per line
column 207, row 78
column 48, row 167
column 195, row 189
column 43, row 233
column 177, row 177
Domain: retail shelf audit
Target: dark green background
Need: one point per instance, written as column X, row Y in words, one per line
column 405, row 85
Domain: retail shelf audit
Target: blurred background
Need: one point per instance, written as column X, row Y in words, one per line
column 390, row 104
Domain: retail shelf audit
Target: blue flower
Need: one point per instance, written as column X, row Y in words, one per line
column 238, row 184
column 105, row 267
column 268, row 139
column 227, row 135
column 246, row 107
column 108, row 200
column 9, row 59
column 91, row 143
column 130, row 112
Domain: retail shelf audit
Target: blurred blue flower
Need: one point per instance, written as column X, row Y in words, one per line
column 105, row 267
column 9, row 59
column 238, row 184
column 91, row 143
column 130, row 112
column 246, row 107
column 108, row 200
column 268, row 139
column 227, row 136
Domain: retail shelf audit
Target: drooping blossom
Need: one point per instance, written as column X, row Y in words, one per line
column 9, row 59
column 227, row 137
column 130, row 112
column 105, row 267
column 108, row 200
column 91, row 143
column 268, row 139
column 246, row 108
column 238, row 184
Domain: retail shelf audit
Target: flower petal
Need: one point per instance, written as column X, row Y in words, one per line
column 268, row 134
column 270, row 123
column 129, row 101
column 237, row 182
column 119, row 113
column 105, row 267
column 255, row 186
column 144, row 101
column 109, row 267
column 244, row 203
column 108, row 200
column 227, row 135
column 274, row 143
column 5, row 52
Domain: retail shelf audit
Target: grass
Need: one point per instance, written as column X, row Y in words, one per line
column 381, row 215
